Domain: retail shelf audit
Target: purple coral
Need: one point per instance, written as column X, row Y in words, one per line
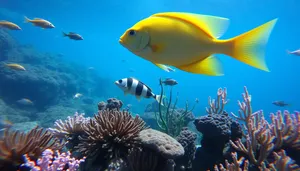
column 51, row 162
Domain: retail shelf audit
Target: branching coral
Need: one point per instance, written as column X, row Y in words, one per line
column 262, row 138
column 235, row 166
column 217, row 106
column 169, row 119
column 282, row 163
column 14, row 144
column 112, row 133
column 50, row 161
column 286, row 129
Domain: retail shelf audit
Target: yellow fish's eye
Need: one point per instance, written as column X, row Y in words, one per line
column 131, row 32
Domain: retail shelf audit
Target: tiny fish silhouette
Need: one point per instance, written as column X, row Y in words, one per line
column 280, row 103
column 170, row 82
column 73, row 36
column 296, row 52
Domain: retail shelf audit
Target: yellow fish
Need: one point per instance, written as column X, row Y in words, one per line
column 189, row 41
column 16, row 67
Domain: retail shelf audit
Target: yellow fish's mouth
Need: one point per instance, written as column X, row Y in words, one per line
column 120, row 41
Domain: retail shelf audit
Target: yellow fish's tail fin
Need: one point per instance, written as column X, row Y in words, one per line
column 249, row 47
column 27, row 20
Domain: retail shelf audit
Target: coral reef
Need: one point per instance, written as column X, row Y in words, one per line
column 263, row 145
column 15, row 144
column 217, row 129
column 113, row 139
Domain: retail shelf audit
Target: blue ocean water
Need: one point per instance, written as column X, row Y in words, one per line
column 101, row 23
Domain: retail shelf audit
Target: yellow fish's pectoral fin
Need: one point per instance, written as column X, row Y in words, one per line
column 214, row 26
column 156, row 48
column 249, row 47
column 162, row 66
column 209, row 66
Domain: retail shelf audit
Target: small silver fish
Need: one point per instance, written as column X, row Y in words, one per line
column 25, row 101
column 4, row 123
column 170, row 82
column 136, row 88
column 170, row 69
column 296, row 52
column 73, row 36
column 77, row 96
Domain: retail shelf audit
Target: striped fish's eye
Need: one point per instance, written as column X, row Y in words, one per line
column 120, row 81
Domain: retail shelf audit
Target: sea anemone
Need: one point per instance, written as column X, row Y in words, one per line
column 14, row 144
column 110, row 134
column 73, row 125
column 70, row 130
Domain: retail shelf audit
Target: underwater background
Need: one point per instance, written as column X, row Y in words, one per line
column 58, row 68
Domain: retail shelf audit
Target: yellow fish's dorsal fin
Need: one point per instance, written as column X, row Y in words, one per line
column 209, row 66
column 214, row 26
column 38, row 19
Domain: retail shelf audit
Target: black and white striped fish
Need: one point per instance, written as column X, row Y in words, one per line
column 137, row 88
